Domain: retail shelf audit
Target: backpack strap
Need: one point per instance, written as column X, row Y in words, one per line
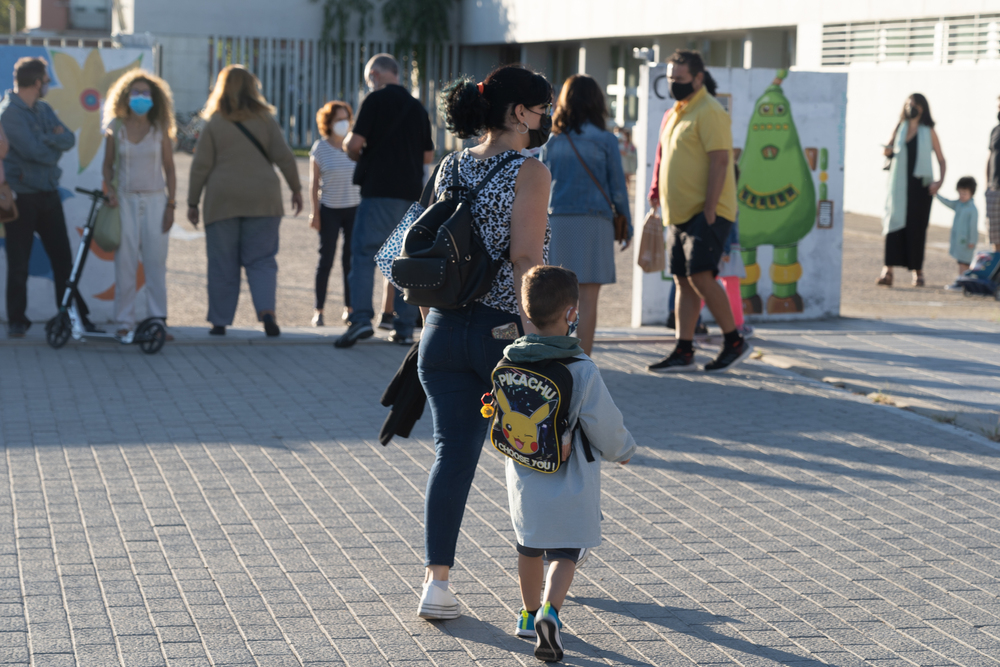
column 587, row 451
column 474, row 192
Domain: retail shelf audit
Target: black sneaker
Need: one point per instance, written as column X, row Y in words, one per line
column 730, row 356
column 700, row 329
column 400, row 340
column 385, row 322
column 217, row 330
column 677, row 362
column 270, row 326
column 355, row 332
column 17, row 329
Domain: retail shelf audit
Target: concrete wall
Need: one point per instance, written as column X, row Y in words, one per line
column 499, row 21
column 298, row 19
column 184, row 64
column 963, row 100
column 48, row 15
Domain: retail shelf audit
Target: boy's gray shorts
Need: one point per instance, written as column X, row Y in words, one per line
column 551, row 554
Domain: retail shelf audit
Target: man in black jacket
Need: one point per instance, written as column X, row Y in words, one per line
column 391, row 141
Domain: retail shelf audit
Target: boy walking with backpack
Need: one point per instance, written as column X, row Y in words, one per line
column 553, row 413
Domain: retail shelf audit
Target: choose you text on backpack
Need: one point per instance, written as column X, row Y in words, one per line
column 532, row 406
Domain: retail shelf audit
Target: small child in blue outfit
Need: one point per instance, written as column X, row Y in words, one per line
column 558, row 514
column 965, row 227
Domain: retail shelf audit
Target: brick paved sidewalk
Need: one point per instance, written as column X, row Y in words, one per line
column 229, row 505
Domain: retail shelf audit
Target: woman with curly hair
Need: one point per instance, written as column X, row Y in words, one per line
column 335, row 198
column 138, row 167
column 233, row 164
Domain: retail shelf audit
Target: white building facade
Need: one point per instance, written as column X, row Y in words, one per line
column 949, row 50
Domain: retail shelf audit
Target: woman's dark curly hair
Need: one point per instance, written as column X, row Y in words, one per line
column 469, row 113
column 581, row 101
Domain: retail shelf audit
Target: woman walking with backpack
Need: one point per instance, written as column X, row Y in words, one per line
column 459, row 348
column 587, row 178
column 233, row 165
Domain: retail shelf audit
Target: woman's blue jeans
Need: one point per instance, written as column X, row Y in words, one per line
column 457, row 355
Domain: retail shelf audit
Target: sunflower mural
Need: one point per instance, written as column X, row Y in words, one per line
column 79, row 100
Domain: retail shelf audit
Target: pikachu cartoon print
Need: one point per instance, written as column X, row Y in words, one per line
column 521, row 431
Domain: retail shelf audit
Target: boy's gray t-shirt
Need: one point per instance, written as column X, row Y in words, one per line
column 563, row 509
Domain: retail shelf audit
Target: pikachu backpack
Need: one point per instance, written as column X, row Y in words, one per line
column 530, row 409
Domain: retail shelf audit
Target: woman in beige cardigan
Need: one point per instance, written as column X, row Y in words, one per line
column 233, row 164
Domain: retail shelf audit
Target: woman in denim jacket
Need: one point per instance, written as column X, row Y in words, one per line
column 583, row 233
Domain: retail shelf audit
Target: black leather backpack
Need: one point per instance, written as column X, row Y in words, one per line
column 444, row 262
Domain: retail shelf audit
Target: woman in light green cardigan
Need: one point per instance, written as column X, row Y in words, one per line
column 911, row 189
column 233, row 163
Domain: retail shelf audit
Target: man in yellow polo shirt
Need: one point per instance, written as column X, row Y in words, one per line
column 697, row 192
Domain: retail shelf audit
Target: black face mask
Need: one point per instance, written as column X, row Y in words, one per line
column 537, row 138
column 680, row 91
column 912, row 112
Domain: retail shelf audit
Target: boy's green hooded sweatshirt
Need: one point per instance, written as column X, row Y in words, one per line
column 563, row 509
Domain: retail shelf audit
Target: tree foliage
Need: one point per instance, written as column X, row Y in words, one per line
column 5, row 16
column 337, row 16
column 413, row 24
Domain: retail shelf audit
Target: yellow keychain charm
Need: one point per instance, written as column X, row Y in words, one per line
column 487, row 410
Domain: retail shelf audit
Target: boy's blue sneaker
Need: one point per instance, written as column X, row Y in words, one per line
column 525, row 625
column 548, row 643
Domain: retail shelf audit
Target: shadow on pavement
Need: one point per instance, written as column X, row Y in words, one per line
column 696, row 623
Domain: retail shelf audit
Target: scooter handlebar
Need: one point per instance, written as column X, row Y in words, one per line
column 96, row 194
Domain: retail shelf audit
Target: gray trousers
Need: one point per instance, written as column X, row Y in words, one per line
column 251, row 243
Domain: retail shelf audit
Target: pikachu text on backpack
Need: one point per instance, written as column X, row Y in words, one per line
column 532, row 414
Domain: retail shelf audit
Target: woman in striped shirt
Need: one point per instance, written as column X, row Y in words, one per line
column 335, row 198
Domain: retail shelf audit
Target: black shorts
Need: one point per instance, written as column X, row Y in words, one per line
column 696, row 246
column 551, row 554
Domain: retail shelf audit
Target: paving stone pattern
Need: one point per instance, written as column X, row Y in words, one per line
column 230, row 505
column 950, row 367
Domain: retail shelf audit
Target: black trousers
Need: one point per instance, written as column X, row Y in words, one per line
column 39, row 213
column 331, row 222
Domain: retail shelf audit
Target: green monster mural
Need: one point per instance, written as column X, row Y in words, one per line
column 777, row 201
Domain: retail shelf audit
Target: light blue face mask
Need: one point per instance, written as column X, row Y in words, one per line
column 141, row 104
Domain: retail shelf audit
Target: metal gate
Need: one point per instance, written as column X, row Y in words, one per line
column 298, row 76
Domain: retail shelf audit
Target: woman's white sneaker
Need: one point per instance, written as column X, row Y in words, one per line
column 437, row 604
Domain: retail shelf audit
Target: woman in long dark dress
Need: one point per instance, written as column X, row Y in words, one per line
column 908, row 205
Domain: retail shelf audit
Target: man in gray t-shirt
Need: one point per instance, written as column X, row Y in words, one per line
column 993, row 186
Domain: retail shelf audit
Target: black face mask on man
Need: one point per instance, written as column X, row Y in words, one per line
column 537, row 138
column 680, row 91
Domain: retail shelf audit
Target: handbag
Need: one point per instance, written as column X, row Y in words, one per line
column 108, row 223
column 620, row 221
column 444, row 263
column 652, row 247
column 8, row 207
column 393, row 245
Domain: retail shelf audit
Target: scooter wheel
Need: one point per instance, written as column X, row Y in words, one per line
column 152, row 337
column 58, row 330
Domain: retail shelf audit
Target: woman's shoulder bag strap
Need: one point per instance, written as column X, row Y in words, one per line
column 252, row 139
column 589, row 173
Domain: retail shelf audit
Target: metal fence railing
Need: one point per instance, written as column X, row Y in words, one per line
column 300, row 75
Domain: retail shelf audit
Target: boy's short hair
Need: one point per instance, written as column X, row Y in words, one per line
column 29, row 70
column 547, row 291
column 967, row 183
